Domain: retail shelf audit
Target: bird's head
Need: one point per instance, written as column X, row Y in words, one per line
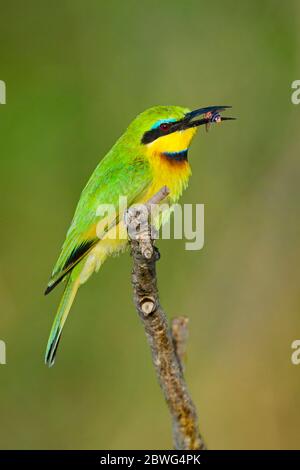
column 169, row 130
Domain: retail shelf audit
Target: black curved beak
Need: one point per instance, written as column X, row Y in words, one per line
column 211, row 115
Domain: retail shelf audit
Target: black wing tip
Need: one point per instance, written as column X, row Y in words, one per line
column 73, row 259
column 48, row 289
column 53, row 284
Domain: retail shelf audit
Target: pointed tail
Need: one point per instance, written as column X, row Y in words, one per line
column 60, row 318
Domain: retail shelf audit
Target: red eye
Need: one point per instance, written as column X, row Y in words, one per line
column 165, row 126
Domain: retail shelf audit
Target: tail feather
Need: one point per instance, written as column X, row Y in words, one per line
column 60, row 318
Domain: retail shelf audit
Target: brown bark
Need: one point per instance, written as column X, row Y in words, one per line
column 167, row 345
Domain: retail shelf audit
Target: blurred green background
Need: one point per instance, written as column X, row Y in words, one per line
column 77, row 72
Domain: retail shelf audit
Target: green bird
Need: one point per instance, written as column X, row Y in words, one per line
column 151, row 153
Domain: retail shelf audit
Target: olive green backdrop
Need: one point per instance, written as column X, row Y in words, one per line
column 77, row 72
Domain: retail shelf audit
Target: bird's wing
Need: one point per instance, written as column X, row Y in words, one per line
column 110, row 180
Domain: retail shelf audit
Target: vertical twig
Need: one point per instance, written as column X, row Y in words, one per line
column 166, row 349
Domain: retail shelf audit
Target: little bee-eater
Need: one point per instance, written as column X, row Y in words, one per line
column 152, row 153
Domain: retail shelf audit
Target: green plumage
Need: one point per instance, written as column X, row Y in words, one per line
column 112, row 177
column 125, row 171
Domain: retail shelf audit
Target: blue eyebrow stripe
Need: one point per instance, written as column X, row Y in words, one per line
column 160, row 121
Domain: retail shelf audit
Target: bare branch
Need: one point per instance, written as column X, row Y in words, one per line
column 136, row 219
column 166, row 359
column 159, row 196
column 179, row 329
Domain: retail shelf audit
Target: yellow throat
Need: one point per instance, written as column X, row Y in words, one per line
column 167, row 168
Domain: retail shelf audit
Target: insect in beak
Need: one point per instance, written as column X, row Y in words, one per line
column 212, row 117
column 211, row 114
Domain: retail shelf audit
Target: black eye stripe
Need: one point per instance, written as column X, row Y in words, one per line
column 154, row 134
